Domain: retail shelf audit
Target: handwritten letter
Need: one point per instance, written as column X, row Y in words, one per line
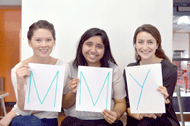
column 142, row 83
column 94, row 89
column 44, row 87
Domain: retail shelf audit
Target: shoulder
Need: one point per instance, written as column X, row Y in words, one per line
column 168, row 65
column 168, row 68
column 116, row 69
column 133, row 64
column 15, row 67
column 73, row 69
column 60, row 62
column 113, row 66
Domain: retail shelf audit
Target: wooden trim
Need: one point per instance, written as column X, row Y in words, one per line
column 1, row 83
column 10, row 7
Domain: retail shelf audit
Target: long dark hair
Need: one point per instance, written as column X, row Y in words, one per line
column 40, row 24
column 80, row 60
column 156, row 34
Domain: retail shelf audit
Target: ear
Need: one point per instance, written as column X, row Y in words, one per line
column 157, row 46
column 135, row 46
column 29, row 43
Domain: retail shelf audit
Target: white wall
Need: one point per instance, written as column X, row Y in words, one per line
column 119, row 18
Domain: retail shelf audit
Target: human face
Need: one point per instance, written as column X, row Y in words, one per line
column 93, row 50
column 146, row 46
column 42, row 43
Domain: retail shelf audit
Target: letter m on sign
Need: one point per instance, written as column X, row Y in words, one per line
column 94, row 89
column 42, row 101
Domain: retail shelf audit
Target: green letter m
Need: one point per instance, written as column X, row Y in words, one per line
column 32, row 77
column 94, row 103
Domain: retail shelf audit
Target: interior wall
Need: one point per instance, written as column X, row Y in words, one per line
column 118, row 18
column 10, row 24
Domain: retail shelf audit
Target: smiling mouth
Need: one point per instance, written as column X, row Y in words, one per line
column 92, row 56
column 145, row 52
column 43, row 50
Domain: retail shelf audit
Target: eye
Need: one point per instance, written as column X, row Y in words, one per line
column 99, row 46
column 38, row 40
column 140, row 42
column 48, row 40
column 150, row 42
column 89, row 44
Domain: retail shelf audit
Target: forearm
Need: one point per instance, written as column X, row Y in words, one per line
column 12, row 114
column 135, row 115
column 6, row 120
column 21, row 99
column 120, row 107
column 68, row 100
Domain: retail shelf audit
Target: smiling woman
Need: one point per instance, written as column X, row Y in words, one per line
column 94, row 51
column 148, row 48
column 41, row 38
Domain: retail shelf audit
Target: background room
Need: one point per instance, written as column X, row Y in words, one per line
column 71, row 18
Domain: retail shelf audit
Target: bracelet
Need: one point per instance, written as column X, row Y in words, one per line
column 118, row 115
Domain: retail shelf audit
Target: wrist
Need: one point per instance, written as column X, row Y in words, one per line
column 118, row 114
column 138, row 117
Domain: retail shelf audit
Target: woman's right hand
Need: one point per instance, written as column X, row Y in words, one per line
column 72, row 85
column 21, row 73
column 148, row 115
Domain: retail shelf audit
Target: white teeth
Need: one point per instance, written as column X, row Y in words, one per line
column 145, row 52
column 43, row 50
column 92, row 56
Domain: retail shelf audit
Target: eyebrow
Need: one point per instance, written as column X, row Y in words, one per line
column 100, row 44
column 148, row 39
column 88, row 42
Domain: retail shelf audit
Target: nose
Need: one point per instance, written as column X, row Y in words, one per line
column 44, row 43
column 93, row 49
column 145, row 46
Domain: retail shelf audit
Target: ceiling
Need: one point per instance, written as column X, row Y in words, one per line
column 176, row 13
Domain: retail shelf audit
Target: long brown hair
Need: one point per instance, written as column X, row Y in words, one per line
column 156, row 34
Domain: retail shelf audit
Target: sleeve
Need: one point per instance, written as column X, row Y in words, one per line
column 127, row 98
column 170, row 79
column 19, row 112
column 67, row 78
column 118, row 84
column 14, row 83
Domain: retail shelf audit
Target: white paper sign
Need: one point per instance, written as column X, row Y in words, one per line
column 94, row 89
column 44, row 87
column 142, row 83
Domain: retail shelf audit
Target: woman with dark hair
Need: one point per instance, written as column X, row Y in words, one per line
column 148, row 50
column 41, row 38
column 94, row 50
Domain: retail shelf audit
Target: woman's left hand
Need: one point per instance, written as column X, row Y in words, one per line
column 164, row 91
column 110, row 116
